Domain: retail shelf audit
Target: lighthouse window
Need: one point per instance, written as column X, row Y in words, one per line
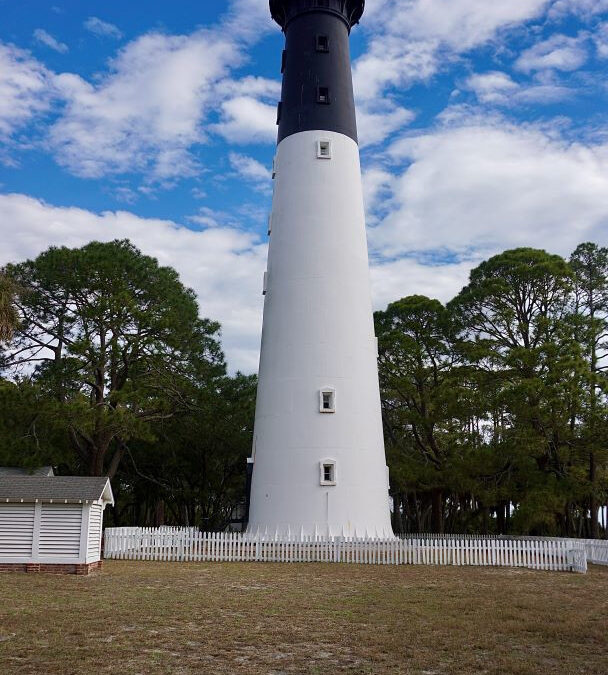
column 328, row 472
column 322, row 43
column 328, row 401
column 323, row 149
column 323, row 95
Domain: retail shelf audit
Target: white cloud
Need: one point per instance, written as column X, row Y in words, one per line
column 484, row 186
column 559, row 52
column 397, row 279
column 153, row 104
column 459, row 24
column 41, row 36
column 377, row 189
column 600, row 39
column 247, row 120
column 147, row 112
column 410, row 38
column 224, row 265
column 248, row 20
column 393, row 60
column 252, row 171
column 583, row 8
column 376, row 122
column 258, row 87
column 498, row 88
column 248, row 110
column 24, row 89
column 492, row 87
column 95, row 25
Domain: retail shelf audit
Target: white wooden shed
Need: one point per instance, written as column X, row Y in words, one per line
column 52, row 523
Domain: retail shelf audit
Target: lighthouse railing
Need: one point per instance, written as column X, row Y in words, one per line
column 192, row 545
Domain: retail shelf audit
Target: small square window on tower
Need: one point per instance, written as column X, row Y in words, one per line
column 323, row 149
column 322, row 43
column 327, row 400
column 327, row 472
column 323, row 95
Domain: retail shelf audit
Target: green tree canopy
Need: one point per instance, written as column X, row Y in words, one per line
column 114, row 339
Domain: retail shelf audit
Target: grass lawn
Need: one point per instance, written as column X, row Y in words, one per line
column 140, row 617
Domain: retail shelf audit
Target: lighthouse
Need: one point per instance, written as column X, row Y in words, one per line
column 318, row 461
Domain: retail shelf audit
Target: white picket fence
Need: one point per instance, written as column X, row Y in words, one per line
column 189, row 546
column 596, row 549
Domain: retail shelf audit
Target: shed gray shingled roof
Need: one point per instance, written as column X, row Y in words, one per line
column 17, row 471
column 60, row 488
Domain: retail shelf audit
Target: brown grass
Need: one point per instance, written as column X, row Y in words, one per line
column 266, row 618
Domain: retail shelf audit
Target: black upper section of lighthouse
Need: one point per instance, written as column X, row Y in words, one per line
column 317, row 89
column 349, row 10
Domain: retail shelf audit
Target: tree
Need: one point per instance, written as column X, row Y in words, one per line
column 114, row 339
column 517, row 315
column 194, row 472
column 590, row 266
column 419, row 378
column 8, row 310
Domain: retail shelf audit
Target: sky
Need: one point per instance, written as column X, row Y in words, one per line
column 482, row 127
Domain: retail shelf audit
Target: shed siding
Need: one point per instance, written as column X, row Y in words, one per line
column 94, row 543
column 16, row 530
column 60, row 529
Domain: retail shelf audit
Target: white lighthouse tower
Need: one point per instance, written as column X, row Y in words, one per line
column 318, row 458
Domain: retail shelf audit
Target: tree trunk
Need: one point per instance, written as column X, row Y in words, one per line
column 416, row 510
column 437, row 511
column 500, row 518
column 397, row 521
column 485, row 519
column 159, row 513
column 594, row 530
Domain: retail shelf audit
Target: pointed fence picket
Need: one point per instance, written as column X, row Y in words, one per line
column 190, row 545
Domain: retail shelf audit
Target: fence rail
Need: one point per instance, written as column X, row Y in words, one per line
column 190, row 545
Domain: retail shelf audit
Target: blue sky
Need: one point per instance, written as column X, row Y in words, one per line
column 482, row 126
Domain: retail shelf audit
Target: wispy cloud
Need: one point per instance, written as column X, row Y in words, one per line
column 410, row 39
column 252, row 171
column 95, row 25
column 25, row 89
column 499, row 88
column 559, row 52
column 583, row 8
column 41, row 36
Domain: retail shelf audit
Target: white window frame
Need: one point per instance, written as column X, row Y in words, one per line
column 322, row 464
column 332, row 393
column 321, row 144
